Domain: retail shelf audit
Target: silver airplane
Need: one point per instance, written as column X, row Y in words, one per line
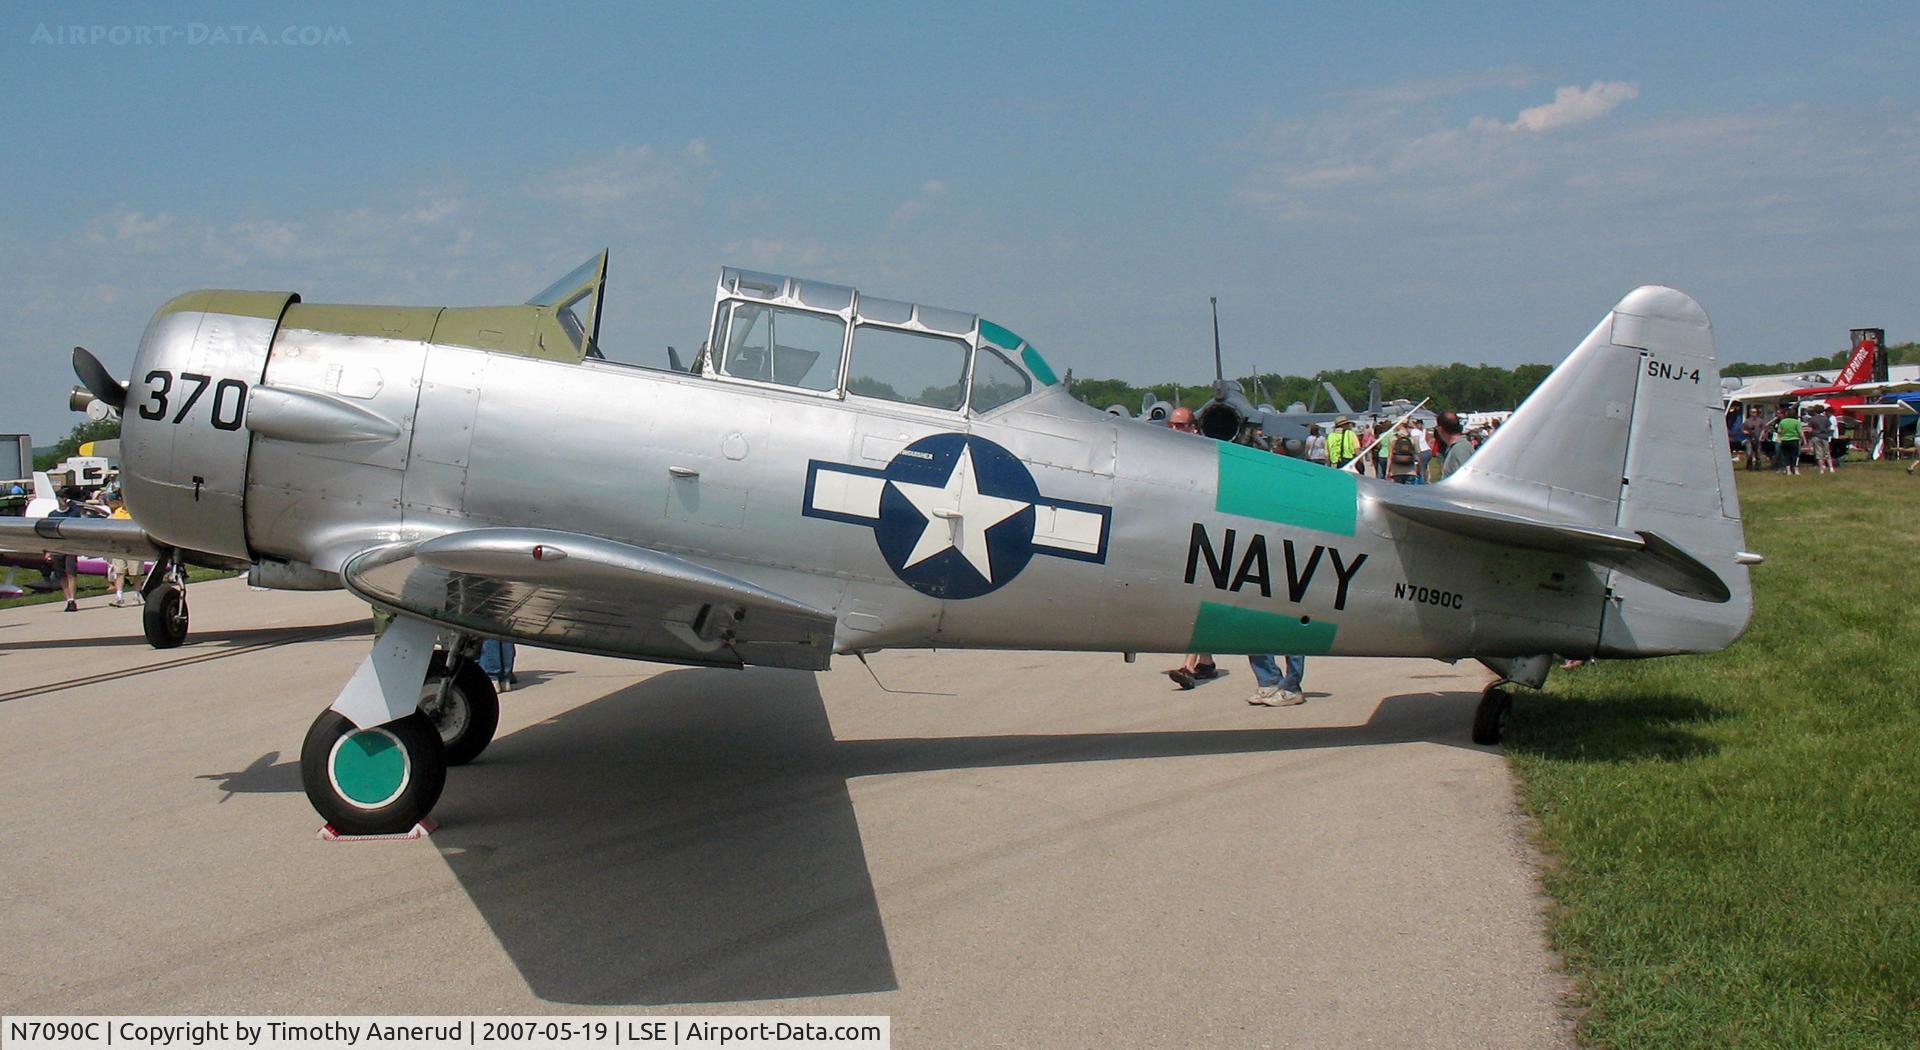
column 837, row 473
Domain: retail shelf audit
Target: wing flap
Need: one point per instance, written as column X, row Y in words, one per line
column 1642, row 555
column 582, row 593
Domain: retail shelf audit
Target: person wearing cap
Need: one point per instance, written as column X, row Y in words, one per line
column 1343, row 444
column 1459, row 449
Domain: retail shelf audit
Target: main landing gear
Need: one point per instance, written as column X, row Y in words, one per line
column 375, row 762
column 463, row 706
column 163, row 613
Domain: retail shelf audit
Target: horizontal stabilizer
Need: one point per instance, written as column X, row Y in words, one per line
column 1642, row 555
column 564, row 590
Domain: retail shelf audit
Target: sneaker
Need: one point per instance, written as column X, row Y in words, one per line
column 1289, row 698
column 502, row 685
column 1206, row 672
column 1181, row 677
column 1263, row 696
column 72, row 607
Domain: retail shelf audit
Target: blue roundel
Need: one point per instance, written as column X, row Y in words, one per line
column 956, row 517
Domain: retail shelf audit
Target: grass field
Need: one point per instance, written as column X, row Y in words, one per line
column 90, row 590
column 1734, row 839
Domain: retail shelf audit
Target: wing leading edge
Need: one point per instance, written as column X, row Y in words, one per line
column 565, row 590
column 87, row 537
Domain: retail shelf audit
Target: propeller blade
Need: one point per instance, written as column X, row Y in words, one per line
column 98, row 381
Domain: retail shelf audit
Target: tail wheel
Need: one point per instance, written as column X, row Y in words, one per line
column 165, row 618
column 468, row 715
column 1492, row 717
column 377, row 781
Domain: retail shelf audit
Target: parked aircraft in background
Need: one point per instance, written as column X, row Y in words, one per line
column 840, row 474
column 1229, row 410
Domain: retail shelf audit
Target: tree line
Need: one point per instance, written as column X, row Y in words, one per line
column 1460, row 387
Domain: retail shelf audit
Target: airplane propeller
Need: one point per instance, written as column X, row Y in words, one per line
column 98, row 381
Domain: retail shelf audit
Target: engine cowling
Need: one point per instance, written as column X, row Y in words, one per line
column 184, row 440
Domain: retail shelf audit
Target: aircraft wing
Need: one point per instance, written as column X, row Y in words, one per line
column 1642, row 555
column 1885, row 408
column 88, row 537
column 564, row 590
column 1893, row 386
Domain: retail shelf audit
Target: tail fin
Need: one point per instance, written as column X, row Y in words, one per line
column 1859, row 367
column 1373, row 397
column 42, row 485
column 1339, row 403
column 1628, row 434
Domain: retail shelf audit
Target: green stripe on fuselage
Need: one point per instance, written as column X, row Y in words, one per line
column 1257, row 484
column 1229, row 629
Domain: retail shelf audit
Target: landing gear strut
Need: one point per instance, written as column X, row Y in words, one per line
column 375, row 762
column 164, row 613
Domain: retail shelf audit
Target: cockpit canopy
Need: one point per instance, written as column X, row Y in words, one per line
column 830, row 340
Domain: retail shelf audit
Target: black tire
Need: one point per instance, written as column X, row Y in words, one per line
column 467, row 722
column 372, row 794
column 1491, row 718
column 164, row 618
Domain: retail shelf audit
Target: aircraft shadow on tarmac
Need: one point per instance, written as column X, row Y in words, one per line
column 128, row 632
column 691, row 838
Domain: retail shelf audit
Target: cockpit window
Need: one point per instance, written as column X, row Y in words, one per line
column 777, row 345
column 1013, row 344
column 996, row 380
column 912, row 367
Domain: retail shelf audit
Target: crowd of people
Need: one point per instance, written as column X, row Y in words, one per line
column 1782, row 438
column 1404, row 452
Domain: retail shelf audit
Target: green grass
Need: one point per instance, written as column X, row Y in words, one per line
column 1734, row 839
column 86, row 587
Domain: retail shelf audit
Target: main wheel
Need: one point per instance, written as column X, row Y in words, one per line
column 1491, row 718
column 165, row 618
column 469, row 714
column 377, row 781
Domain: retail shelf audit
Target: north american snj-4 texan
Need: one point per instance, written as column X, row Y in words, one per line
column 837, row 474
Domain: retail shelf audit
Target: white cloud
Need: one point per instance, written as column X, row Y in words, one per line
column 637, row 179
column 1576, row 105
column 931, row 192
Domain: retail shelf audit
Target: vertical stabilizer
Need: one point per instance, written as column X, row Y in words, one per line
column 1628, row 433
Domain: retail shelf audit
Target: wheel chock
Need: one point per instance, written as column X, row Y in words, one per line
column 421, row 829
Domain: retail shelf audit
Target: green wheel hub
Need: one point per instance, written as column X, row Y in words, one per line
column 369, row 768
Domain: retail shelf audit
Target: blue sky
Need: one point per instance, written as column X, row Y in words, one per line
column 1382, row 184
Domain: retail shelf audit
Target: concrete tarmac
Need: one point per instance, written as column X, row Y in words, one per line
column 1009, row 849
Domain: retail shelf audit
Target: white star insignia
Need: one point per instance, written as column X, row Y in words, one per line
column 958, row 516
